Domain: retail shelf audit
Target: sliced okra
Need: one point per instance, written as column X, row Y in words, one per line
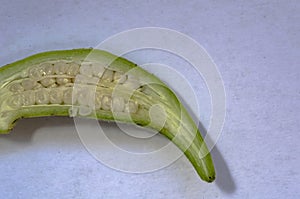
column 102, row 86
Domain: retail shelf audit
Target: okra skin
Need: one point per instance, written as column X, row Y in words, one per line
column 97, row 84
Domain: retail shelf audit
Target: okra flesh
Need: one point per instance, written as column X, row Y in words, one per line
column 96, row 84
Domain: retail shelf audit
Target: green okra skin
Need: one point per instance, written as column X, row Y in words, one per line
column 96, row 84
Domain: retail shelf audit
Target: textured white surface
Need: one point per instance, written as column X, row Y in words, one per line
column 256, row 47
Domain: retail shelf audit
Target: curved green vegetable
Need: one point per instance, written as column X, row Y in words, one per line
column 96, row 84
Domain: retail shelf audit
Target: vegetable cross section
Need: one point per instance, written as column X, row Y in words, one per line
column 96, row 84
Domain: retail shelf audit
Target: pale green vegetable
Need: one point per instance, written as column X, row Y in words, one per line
column 96, row 84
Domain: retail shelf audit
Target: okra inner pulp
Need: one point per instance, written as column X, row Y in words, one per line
column 52, row 83
column 102, row 86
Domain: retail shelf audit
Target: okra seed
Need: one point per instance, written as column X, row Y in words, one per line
column 53, row 85
column 35, row 73
column 42, row 96
column 67, row 98
column 60, row 68
column 106, row 103
column 107, row 76
column 73, row 69
column 117, row 76
column 62, row 81
column 16, row 87
column 28, row 84
column 118, row 104
column 15, row 102
column 46, row 82
column 28, row 98
column 84, row 97
column 131, row 107
column 55, row 96
column 47, row 69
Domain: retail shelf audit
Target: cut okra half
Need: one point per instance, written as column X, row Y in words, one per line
column 96, row 84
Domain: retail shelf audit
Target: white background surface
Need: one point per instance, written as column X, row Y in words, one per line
column 255, row 44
